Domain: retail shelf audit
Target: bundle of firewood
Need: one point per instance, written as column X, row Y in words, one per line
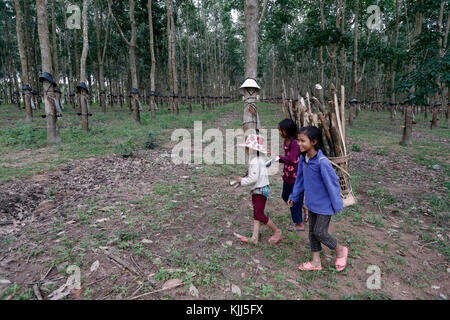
column 329, row 117
column 312, row 111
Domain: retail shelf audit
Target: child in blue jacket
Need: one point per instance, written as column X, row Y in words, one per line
column 320, row 183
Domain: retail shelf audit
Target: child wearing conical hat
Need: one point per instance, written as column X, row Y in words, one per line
column 258, row 181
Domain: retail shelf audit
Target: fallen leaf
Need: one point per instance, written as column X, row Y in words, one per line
column 102, row 220
column 5, row 281
column 78, row 293
column 235, row 289
column 256, row 261
column 146, row 241
column 95, row 266
column 172, row 283
column 193, row 291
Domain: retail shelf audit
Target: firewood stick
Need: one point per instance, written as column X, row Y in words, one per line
column 302, row 118
column 343, row 111
column 339, row 150
column 320, row 94
column 327, row 134
column 309, row 103
column 336, row 106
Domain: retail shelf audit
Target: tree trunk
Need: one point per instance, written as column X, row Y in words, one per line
column 23, row 61
column 172, row 59
column 322, row 62
column 153, row 66
column 188, row 64
column 407, row 129
column 54, row 44
column 132, row 56
column 101, row 56
column 342, row 74
column 355, row 53
column 46, row 59
column 441, row 55
column 251, row 9
column 394, row 63
column 82, row 92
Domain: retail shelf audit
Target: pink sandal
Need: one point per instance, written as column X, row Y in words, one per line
column 244, row 239
column 273, row 240
column 341, row 263
column 307, row 266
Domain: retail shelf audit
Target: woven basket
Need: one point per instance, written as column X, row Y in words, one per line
column 341, row 165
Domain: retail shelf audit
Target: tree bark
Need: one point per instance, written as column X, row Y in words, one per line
column 441, row 55
column 101, row 56
column 46, row 59
column 188, row 64
column 82, row 92
column 153, row 66
column 54, row 45
column 132, row 56
column 23, row 61
column 251, row 10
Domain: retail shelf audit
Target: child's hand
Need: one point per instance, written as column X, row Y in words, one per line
column 239, row 179
column 290, row 203
column 306, row 212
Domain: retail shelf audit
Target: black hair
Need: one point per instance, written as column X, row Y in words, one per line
column 313, row 133
column 290, row 127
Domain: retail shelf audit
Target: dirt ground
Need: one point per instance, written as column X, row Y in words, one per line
column 147, row 221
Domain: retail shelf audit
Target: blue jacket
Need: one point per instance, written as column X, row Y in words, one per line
column 320, row 183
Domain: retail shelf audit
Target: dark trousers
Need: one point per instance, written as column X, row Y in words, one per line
column 296, row 209
column 259, row 203
column 318, row 232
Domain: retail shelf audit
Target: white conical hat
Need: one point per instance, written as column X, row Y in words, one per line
column 250, row 83
column 255, row 142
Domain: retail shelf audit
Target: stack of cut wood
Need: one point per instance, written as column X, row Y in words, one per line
column 330, row 117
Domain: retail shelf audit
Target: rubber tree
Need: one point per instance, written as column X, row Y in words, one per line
column 132, row 56
column 23, row 62
column 46, row 60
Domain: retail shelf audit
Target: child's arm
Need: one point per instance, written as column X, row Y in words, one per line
column 295, row 152
column 331, row 182
column 253, row 173
column 297, row 192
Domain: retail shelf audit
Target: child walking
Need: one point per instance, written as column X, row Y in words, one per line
column 288, row 131
column 317, row 178
column 259, row 181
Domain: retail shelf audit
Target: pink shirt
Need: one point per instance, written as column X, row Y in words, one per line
column 290, row 160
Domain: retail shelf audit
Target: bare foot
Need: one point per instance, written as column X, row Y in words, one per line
column 277, row 234
column 300, row 225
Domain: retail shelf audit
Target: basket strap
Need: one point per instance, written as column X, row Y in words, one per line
column 343, row 170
